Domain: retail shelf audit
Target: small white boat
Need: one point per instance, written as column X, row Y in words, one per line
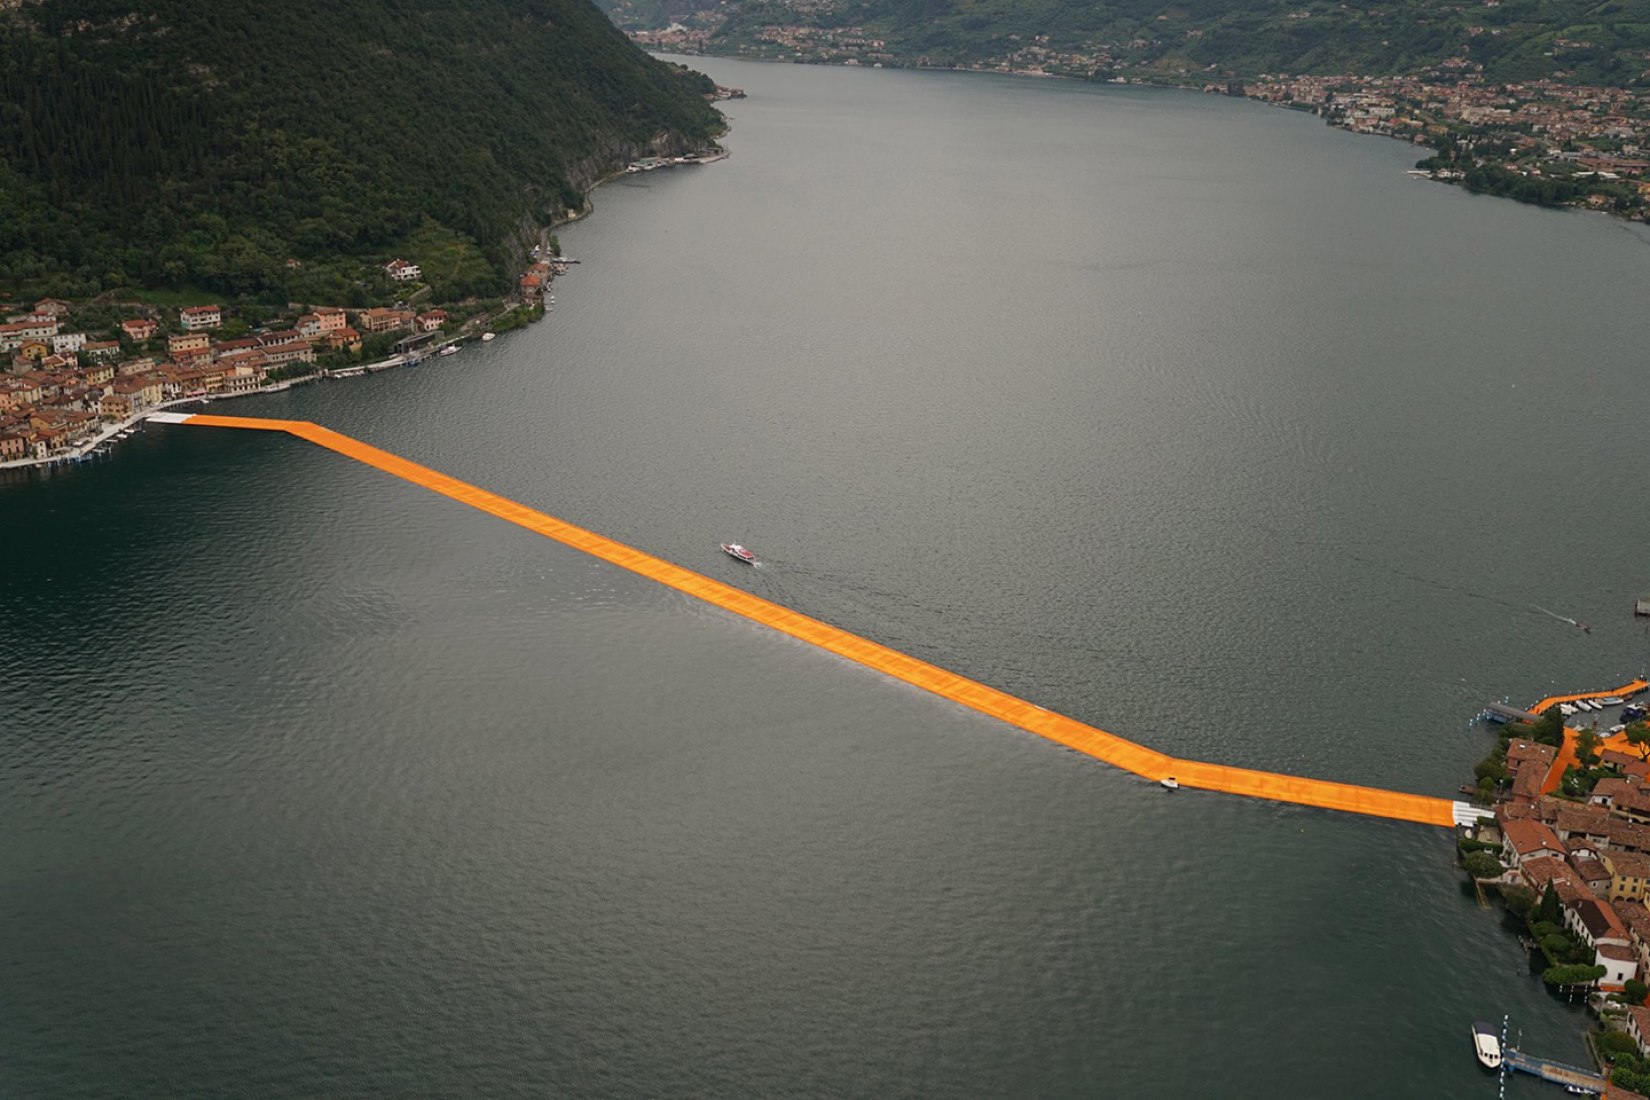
column 486, row 336
column 1566, row 710
column 450, row 349
column 1169, row 783
column 1486, row 1045
column 738, row 553
column 1612, row 701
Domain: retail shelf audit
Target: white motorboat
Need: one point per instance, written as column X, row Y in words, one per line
column 1170, row 783
column 738, row 553
column 486, row 336
column 1486, row 1045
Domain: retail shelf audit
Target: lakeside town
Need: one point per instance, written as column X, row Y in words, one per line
column 79, row 373
column 1565, row 842
column 1541, row 141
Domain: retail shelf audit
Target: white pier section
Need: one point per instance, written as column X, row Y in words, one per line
column 1466, row 813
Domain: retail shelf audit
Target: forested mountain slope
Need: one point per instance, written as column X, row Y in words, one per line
column 1575, row 41
column 242, row 146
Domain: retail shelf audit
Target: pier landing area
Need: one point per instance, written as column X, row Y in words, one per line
column 1567, row 755
column 1069, row 732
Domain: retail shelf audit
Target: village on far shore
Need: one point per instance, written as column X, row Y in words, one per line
column 76, row 373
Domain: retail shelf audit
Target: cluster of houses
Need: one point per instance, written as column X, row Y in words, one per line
column 1595, row 856
column 62, row 386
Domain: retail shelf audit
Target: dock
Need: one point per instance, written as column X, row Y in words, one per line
column 1556, row 1072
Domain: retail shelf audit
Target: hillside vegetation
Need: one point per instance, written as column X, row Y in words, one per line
column 1576, row 41
column 264, row 149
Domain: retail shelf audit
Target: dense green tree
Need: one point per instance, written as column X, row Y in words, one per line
column 1482, row 865
column 1638, row 736
column 1550, row 729
column 1587, row 747
column 1521, row 900
column 1550, row 910
column 1579, row 974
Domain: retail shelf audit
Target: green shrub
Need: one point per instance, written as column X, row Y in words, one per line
column 1482, row 865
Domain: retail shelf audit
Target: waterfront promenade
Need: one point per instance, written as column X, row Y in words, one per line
column 1566, row 755
column 1089, row 740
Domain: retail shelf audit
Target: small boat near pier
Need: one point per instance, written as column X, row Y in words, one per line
column 1486, row 1045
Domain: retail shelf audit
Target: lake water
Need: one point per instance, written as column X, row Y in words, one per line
column 1187, row 417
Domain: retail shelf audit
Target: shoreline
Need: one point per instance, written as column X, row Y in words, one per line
column 108, row 434
column 1557, row 854
column 86, row 451
column 1429, row 149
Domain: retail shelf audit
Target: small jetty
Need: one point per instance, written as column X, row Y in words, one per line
column 1501, row 713
column 1556, row 1072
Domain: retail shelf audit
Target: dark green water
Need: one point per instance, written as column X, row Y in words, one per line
column 1184, row 416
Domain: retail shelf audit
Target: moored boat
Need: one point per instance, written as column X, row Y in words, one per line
column 486, row 336
column 1486, row 1045
column 1169, row 783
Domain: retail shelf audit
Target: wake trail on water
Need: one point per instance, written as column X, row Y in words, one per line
column 1523, row 606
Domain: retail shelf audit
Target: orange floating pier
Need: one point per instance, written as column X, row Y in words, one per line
column 1566, row 755
column 1069, row 732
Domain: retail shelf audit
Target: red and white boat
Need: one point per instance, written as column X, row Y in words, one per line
column 738, row 553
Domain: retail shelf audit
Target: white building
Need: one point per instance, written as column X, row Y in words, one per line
column 194, row 318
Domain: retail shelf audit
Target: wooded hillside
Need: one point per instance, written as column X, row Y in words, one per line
column 170, row 143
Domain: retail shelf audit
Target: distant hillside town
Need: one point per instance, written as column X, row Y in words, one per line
column 74, row 370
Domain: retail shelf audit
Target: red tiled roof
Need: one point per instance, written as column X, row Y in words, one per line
column 1527, row 837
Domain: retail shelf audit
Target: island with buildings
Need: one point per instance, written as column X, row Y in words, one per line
column 1566, row 845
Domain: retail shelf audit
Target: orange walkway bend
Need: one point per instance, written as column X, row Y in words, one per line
column 986, row 700
column 1567, row 755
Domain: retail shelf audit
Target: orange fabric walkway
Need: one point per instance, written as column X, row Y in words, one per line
column 1567, row 755
column 986, row 700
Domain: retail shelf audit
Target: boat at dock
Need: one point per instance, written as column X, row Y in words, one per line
column 738, row 553
column 486, row 336
column 1486, row 1045
column 1169, row 783
column 450, row 349
column 1612, row 701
